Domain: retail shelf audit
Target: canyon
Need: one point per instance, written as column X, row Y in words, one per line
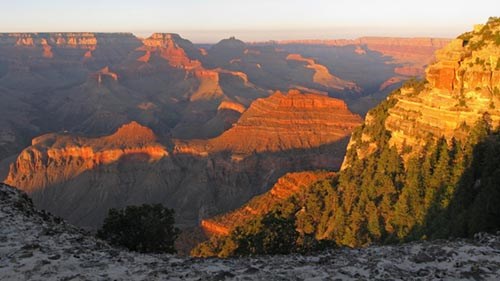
column 80, row 178
column 92, row 83
column 258, row 140
column 104, row 120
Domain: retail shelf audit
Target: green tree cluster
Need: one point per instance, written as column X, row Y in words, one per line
column 146, row 228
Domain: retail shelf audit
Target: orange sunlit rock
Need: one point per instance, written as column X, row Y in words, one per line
column 165, row 44
column 457, row 95
column 283, row 121
column 57, row 157
column 228, row 105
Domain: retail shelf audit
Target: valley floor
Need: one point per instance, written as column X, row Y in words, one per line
column 36, row 246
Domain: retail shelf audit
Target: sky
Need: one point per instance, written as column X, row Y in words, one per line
column 208, row 21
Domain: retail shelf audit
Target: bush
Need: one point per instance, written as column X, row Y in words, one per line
column 146, row 228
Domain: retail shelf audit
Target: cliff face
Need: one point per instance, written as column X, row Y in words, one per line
column 47, row 45
column 276, row 135
column 463, row 86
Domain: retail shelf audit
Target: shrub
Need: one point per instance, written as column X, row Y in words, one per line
column 146, row 228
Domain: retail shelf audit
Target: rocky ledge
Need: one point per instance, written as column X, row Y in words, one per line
column 37, row 246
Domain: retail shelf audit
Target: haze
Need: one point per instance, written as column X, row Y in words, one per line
column 209, row 21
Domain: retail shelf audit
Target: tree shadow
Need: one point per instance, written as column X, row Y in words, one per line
column 473, row 205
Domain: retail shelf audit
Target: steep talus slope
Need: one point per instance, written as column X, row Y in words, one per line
column 276, row 135
column 37, row 246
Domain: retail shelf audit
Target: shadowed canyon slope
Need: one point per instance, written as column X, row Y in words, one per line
column 80, row 178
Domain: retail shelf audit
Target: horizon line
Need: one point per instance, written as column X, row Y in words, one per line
column 138, row 36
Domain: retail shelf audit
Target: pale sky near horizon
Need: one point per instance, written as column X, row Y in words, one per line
column 211, row 20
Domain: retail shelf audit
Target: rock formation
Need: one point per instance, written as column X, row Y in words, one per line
column 234, row 106
column 258, row 63
column 283, row 122
column 167, row 46
column 105, row 72
column 57, row 158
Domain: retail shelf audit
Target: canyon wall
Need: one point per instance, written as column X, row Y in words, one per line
column 80, row 178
